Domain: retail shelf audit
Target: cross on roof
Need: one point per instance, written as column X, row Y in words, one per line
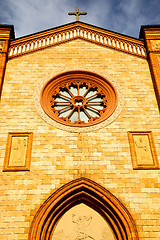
column 77, row 14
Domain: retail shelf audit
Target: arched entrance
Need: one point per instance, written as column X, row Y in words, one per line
column 89, row 194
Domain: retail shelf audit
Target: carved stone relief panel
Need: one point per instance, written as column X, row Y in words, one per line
column 18, row 152
column 82, row 223
column 142, row 150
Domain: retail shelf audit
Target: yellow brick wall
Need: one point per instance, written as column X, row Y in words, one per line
column 60, row 156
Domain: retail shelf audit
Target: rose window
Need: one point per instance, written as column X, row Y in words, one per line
column 78, row 99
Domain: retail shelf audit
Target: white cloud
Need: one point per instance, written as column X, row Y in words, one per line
column 36, row 15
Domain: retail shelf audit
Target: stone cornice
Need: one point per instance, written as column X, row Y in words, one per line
column 55, row 36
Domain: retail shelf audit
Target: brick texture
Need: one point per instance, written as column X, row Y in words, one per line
column 60, row 156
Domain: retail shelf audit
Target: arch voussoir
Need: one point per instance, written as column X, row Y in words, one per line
column 83, row 190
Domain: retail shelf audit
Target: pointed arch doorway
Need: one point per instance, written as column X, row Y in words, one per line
column 79, row 210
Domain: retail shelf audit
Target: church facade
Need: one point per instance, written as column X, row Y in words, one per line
column 80, row 134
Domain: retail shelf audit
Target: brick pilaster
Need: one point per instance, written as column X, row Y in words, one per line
column 6, row 33
column 151, row 35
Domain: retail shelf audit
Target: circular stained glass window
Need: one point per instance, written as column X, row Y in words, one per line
column 78, row 98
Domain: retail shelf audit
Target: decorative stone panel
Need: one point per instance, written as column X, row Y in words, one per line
column 143, row 151
column 18, row 152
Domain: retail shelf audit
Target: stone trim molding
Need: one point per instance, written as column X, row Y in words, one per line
column 90, row 193
column 18, row 152
column 72, row 31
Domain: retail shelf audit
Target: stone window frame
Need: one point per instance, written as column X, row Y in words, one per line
column 104, row 91
column 26, row 167
column 135, row 164
column 38, row 107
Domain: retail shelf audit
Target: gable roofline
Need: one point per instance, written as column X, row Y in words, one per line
column 74, row 30
column 68, row 24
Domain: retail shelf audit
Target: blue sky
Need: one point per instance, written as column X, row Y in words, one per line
column 123, row 16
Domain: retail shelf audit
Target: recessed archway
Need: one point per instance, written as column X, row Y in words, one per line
column 92, row 195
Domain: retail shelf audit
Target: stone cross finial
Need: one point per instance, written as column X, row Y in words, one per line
column 77, row 14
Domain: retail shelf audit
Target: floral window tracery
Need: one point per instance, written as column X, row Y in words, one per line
column 78, row 98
